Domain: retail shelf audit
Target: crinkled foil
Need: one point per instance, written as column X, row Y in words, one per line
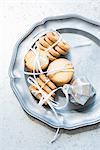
column 80, row 90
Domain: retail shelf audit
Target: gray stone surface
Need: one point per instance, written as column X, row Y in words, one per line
column 17, row 130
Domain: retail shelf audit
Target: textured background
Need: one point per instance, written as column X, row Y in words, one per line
column 17, row 130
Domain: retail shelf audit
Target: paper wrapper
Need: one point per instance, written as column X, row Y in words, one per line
column 80, row 91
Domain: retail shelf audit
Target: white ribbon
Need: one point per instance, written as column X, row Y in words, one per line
column 46, row 98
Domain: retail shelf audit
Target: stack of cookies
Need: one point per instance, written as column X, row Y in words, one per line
column 46, row 87
column 53, row 71
column 46, row 42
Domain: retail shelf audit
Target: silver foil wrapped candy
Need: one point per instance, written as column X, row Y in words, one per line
column 80, row 91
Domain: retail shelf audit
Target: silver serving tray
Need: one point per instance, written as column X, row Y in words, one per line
column 78, row 31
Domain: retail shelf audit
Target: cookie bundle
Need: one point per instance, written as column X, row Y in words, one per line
column 48, row 71
column 46, row 87
column 52, row 44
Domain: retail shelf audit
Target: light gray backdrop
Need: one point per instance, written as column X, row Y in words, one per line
column 17, row 130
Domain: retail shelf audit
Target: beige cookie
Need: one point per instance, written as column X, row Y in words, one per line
column 59, row 50
column 43, row 42
column 64, row 45
column 34, row 91
column 45, row 87
column 60, row 71
column 52, row 36
column 39, row 46
column 46, row 80
column 33, row 65
column 48, row 40
column 53, row 52
column 50, row 56
column 29, row 59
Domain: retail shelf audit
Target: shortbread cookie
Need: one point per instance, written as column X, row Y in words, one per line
column 43, row 85
column 32, row 64
column 34, row 91
column 52, row 36
column 63, row 45
column 50, row 56
column 46, row 80
column 60, row 71
column 46, row 87
column 41, row 47
column 46, row 42
column 53, row 52
column 43, row 42
column 59, row 50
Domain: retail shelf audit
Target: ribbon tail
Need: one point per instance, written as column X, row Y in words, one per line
column 55, row 136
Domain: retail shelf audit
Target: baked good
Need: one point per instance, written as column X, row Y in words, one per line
column 46, row 42
column 46, row 87
column 60, row 71
column 45, row 79
column 52, row 36
column 43, row 85
column 50, row 56
column 30, row 62
column 40, row 46
column 63, row 45
column 34, row 91
column 60, row 50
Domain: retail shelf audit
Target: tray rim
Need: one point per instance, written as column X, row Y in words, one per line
column 10, row 70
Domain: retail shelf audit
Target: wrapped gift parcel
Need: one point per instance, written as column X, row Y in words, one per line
column 80, row 91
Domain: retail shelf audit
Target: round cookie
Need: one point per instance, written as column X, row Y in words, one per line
column 59, row 50
column 46, row 79
column 43, row 42
column 41, row 47
column 51, row 57
column 43, row 58
column 34, row 91
column 44, row 86
column 64, row 45
column 60, row 71
column 52, row 36
column 48, row 41
column 29, row 60
column 54, row 52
